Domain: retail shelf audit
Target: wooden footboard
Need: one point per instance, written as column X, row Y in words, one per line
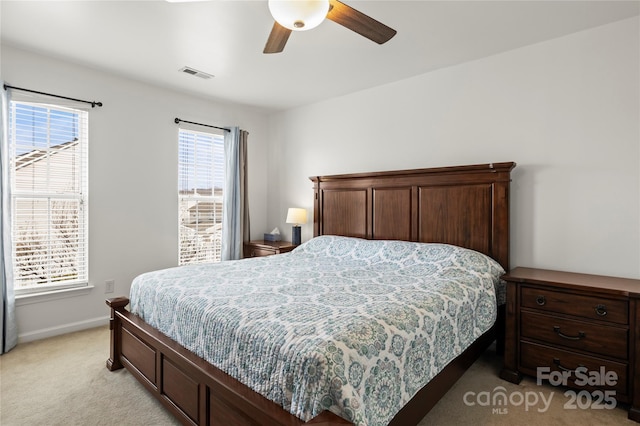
column 197, row 393
column 194, row 391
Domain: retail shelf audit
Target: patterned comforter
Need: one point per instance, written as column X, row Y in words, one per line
column 353, row 326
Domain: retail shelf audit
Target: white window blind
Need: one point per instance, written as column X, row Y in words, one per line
column 200, row 185
column 49, row 177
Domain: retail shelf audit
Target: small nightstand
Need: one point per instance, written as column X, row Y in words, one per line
column 560, row 321
column 260, row 248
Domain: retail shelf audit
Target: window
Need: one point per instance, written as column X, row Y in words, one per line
column 48, row 154
column 200, row 183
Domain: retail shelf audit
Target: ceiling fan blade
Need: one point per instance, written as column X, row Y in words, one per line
column 357, row 21
column 277, row 39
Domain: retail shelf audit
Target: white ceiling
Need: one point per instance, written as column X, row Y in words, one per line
column 152, row 40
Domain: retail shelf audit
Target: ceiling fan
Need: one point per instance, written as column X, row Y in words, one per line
column 301, row 15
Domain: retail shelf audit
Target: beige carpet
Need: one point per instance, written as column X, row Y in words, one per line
column 64, row 381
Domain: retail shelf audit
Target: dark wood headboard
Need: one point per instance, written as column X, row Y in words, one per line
column 467, row 206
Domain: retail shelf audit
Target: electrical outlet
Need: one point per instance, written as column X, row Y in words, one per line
column 109, row 286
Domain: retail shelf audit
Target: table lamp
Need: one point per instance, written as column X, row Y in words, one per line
column 297, row 217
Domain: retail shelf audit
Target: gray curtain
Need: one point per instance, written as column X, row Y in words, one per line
column 235, row 218
column 7, row 310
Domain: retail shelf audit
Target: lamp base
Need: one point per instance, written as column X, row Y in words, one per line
column 295, row 235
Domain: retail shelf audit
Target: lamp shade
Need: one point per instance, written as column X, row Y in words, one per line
column 299, row 15
column 296, row 216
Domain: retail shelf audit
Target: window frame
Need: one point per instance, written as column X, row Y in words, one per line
column 190, row 198
column 79, row 195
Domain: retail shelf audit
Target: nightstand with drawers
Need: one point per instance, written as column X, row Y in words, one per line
column 578, row 326
column 260, row 248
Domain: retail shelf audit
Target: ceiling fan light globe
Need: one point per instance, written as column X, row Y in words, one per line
column 299, row 15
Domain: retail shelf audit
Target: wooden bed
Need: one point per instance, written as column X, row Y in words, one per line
column 466, row 206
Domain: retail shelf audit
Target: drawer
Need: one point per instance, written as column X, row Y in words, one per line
column 611, row 310
column 533, row 355
column 258, row 252
column 601, row 338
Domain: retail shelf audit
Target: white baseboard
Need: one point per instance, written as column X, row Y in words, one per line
column 62, row 329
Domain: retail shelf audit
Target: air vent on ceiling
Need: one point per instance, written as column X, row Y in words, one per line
column 193, row 71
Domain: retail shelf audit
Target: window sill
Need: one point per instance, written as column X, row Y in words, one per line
column 30, row 298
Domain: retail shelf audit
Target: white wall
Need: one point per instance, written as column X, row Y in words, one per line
column 132, row 179
column 566, row 111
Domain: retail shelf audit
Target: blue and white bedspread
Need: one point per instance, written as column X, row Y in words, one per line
column 353, row 326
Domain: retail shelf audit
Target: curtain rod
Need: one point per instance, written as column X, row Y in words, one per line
column 178, row 121
column 93, row 103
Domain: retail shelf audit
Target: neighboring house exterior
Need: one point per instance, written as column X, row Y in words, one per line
column 48, row 244
column 201, row 226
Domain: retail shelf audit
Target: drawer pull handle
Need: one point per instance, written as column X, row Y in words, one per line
column 556, row 361
column 540, row 300
column 601, row 310
column 580, row 335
